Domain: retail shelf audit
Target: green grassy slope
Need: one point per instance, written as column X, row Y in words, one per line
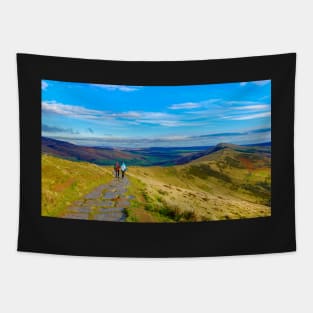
column 226, row 184
column 65, row 181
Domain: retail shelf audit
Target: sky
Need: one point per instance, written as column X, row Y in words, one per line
column 156, row 116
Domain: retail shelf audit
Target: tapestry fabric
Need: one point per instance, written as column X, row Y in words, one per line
column 156, row 158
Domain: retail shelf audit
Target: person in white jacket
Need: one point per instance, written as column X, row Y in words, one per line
column 123, row 169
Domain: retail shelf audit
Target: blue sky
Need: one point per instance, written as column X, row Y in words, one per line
column 143, row 116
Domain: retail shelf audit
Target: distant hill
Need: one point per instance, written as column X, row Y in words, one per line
column 222, row 182
column 264, row 148
column 145, row 156
column 107, row 156
column 102, row 156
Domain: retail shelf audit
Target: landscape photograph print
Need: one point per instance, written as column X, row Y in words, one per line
column 156, row 154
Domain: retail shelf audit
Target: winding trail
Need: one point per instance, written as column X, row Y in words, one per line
column 107, row 202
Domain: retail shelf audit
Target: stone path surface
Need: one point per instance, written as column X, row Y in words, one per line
column 107, row 202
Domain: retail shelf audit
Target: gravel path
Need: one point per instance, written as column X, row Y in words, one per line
column 107, row 202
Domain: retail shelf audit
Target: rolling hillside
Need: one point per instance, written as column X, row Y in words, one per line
column 263, row 148
column 223, row 182
column 228, row 183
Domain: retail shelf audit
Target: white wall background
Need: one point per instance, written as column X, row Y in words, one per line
column 155, row 30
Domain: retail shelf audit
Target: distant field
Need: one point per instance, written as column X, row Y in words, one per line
column 163, row 156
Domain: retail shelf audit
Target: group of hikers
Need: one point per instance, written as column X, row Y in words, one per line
column 119, row 168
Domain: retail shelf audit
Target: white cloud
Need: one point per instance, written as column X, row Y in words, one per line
column 78, row 112
column 186, row 105
column 70, row 110
column 243, row 102
column 261, row 82
column 248, row 117
column 117, row 87
column 156, row 115
column 169, row 123
column 120, row 119
column 253, row 107
column 175, row 138
column 54, row 129
column 44, row 85
column 83, row 113
column 193, row 105
column 129, row 114
column 256, row 82
column 160, row 122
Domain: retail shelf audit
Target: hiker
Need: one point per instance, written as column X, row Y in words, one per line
column 123, row 169
column 117, row 169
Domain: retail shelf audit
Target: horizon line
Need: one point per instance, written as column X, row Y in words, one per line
column 137, row 148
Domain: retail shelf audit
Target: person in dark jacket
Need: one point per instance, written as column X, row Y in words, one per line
column 117, row 169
